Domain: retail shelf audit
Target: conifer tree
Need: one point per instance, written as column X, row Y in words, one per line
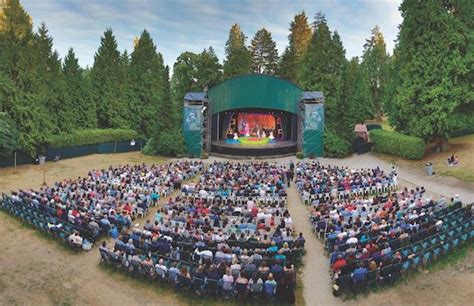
column 374, row 61
column 322, row 69
column 264, row 53
column 434, row 55
column 19, row 78
column 106, row 74
column 238, row 57
column 77, row 99
column 146, row 74
column 299, row 38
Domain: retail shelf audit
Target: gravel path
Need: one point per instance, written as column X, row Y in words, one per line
column 315, row 275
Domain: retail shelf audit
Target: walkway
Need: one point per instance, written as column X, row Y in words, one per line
column 315, row 278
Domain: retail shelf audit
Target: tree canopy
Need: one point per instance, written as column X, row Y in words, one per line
column 264, row 53
column 238, row 57
column 424, row 87
column 434, row 61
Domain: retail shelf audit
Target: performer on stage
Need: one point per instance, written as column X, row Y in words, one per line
column 247, row 129
column 271, row 135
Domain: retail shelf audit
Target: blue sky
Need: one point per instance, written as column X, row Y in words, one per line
column 192, row 25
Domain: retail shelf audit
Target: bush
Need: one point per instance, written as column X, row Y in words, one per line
column 335, row 146
column 90, row 136
column 8, row 135
column 299, row 155
column 398, row 144
column 170, row 143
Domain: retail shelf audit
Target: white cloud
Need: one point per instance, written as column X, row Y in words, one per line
column 192, row 25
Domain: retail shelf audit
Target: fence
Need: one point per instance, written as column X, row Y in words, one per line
column 74, row 151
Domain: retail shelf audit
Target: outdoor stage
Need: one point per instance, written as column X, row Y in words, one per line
column 250, row 149
column 253, row 116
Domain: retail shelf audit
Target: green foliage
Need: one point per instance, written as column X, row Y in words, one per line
column 264, row 53
column 108, row 84
column 194, row 72
column 299, row 155
column 8, row 136
column 238, row 57
column 170, row 143
column 25, row 77
column 398, row 144
column 335, row 146
column 90, row 136
column 147, row 94
column 299, row 38
column 374, row 61
column 434, row 61
column 78, row 105
column 322, row 69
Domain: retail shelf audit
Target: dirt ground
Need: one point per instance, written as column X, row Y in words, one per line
column 37, row 270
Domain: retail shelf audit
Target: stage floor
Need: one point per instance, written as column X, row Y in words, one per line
column 276, row 144
column 240, row 149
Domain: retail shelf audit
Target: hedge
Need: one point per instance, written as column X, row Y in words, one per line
column 335, row 146
column 90, row 136
column 394, row 143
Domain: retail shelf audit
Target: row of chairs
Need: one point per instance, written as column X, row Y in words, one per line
column 458, row 233
column 241, row 200
column 440, row 214
column 43, row 221
column 420, row 255
column 196, row 285
column 342, row 193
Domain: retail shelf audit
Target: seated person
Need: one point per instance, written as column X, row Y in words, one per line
column 75, row 239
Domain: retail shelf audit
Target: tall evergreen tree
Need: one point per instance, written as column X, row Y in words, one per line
column 146, row 73
column 322, row 69
column 238, row 57
column 375, row 60
column 79, row 107
column 106, row 74
column 299, row 38
column 49, row 85
column 434, row 55
column 19, row 78
column 264, row 53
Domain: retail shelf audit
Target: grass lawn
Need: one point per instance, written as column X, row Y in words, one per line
column 462, row 146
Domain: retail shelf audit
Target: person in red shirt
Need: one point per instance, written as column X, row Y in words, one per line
column 254, row 211
column 339, row 264
column 127, row 207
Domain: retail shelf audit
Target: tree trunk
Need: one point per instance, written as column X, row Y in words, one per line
column 442, row 144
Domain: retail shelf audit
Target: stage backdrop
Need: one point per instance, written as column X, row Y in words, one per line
column 192, row 129
column 313, row 130
column 253, row 120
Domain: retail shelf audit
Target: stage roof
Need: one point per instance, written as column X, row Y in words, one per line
column 195, row 96
column 255, row 91
column 312, row 95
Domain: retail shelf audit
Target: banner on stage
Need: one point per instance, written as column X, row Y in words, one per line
column 314, row 117
column 192, row 117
